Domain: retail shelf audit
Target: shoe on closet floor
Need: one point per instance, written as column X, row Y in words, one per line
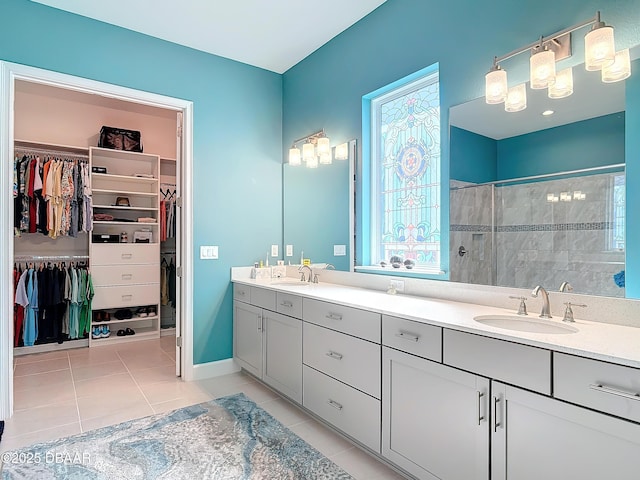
column 106, row 331
column 142, row 312
column 152, row 311
column 96, row 332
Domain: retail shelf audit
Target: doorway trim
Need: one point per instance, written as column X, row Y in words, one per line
column 9, row 74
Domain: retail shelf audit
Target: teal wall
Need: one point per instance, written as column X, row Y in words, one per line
column 237, row 138
column 632, row 255
column 473, row 157
column 325, row 90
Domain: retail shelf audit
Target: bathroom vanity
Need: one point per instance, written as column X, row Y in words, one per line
column 420, row 383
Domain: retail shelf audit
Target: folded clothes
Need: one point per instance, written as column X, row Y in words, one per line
column 146, row 220
column 102, row 217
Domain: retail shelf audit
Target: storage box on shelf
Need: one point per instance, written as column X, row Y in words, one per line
column 126, row 273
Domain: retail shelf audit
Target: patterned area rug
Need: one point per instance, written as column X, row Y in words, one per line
column 227, row 438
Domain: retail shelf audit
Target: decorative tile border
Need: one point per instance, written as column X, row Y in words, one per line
column 470, row 228
column 542, row 227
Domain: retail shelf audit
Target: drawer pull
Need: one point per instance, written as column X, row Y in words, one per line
column 336, row 355
column 334, row 404
column 127, row 276
column 334, row 316
column 241, row 293
column 259, row 323
column 480, row 416
column 614, row 391
column 287, row 303
column 126, row 256
column 127, row 298
column 408, row 336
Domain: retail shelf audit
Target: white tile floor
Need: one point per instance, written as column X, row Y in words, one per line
column 67, row 392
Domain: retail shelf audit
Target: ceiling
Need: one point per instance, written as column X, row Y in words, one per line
column 274, row 34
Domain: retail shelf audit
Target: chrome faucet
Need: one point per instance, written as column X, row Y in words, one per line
column 546, row 309
column 301, row 270
column 565, row 287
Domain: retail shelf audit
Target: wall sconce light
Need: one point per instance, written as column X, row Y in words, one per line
column 315, row 150
column 600, row 54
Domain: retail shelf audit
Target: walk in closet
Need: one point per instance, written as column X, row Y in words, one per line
column 95, row 228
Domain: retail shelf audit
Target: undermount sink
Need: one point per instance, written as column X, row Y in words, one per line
column 525, row 324
column 289, row 282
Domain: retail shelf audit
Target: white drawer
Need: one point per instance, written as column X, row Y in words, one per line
column 263, row 298
column 353, row 321
column 353, row 412
column 124, row 253
column 242, row 292
column 289, row 304
column 412, row 337
column 346, row 358
column 124, row 274
column 126, row 296
column 521, row 365
column 610, row 388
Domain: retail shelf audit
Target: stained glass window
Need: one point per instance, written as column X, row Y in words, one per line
column 618, row 212
column 406, row 174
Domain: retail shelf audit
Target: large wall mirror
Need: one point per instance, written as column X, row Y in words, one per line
column 537, row 197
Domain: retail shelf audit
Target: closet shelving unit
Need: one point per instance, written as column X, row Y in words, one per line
column 126, row 275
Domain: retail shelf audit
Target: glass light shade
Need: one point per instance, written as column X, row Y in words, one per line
column 516, row 98
column 619, row 69
column 312, row 162
column 324, row 146
column 308, row 152
column 495, row 86
column 325, row 158
column 599, row 48
column 563, row 87
column 294, row 157
column 542, row 69
column 342, row 151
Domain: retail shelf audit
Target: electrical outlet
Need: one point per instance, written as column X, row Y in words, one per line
column 289, row 251
column 339, row 250
column 274, row 250
column 398, row 284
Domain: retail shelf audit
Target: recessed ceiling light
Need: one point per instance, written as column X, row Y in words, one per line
column 546, row 113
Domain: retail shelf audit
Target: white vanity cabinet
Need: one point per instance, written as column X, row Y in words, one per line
column 537, row 437
column 266, row 343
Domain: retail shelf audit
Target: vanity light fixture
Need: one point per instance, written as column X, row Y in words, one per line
column 516, row 98
column 342, row 151
column 599, row 55
column 315, row 149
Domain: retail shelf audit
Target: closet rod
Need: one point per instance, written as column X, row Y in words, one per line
column 50, row 257
column 46, row 151
column 168, row 253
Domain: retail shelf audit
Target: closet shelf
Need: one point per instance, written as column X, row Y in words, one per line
column 113, row 222
column 145, row 332
column 53, row 146
column 116, row 207
column 123, row 192
column 128, row 320
column 122, row 178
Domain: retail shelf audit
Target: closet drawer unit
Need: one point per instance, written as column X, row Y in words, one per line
column 610, row 388
column 353, row 412
column 103, row 275
column 289, row 304
column 126, row 296
column 345, row 358
column 521, row 365
column 359, row 323
column 242, row 292
column 124, row 253
column 261, row 297
column 412, row 337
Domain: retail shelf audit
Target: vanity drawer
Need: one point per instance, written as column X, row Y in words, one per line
column 412, row 337
column 359, row 323
column 521, row 365
column 261, row 297
column 348, row 359
column 242, row 292
column 126, row 296
column 102, row 275
column 353, row 412
column 289, row 304
column 607, row 387
column 124, row 253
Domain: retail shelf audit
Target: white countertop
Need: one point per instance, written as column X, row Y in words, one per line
column 601, row 341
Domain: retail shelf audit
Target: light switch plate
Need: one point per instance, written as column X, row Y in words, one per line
column 289, row 251
column 214, row 252
column 208, row 252
column 274, row 250
column 339, row 250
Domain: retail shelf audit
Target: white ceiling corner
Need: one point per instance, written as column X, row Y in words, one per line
column 274, row 35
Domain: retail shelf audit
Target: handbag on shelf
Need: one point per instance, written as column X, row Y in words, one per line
column 120, row 139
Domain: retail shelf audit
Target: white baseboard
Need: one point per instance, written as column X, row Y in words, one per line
column 202, row 371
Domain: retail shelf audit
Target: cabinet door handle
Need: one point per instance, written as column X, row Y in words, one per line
column 126, row 256
column 408, row 336
column 127, row 298
column 480, row 416
column 241, row 293
column 287, row 303
column 598, row 387
column 496, row 424
column 334, row 316
column 259, row 323
column 334, row 404
column 336, row 355
column 127, row 276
